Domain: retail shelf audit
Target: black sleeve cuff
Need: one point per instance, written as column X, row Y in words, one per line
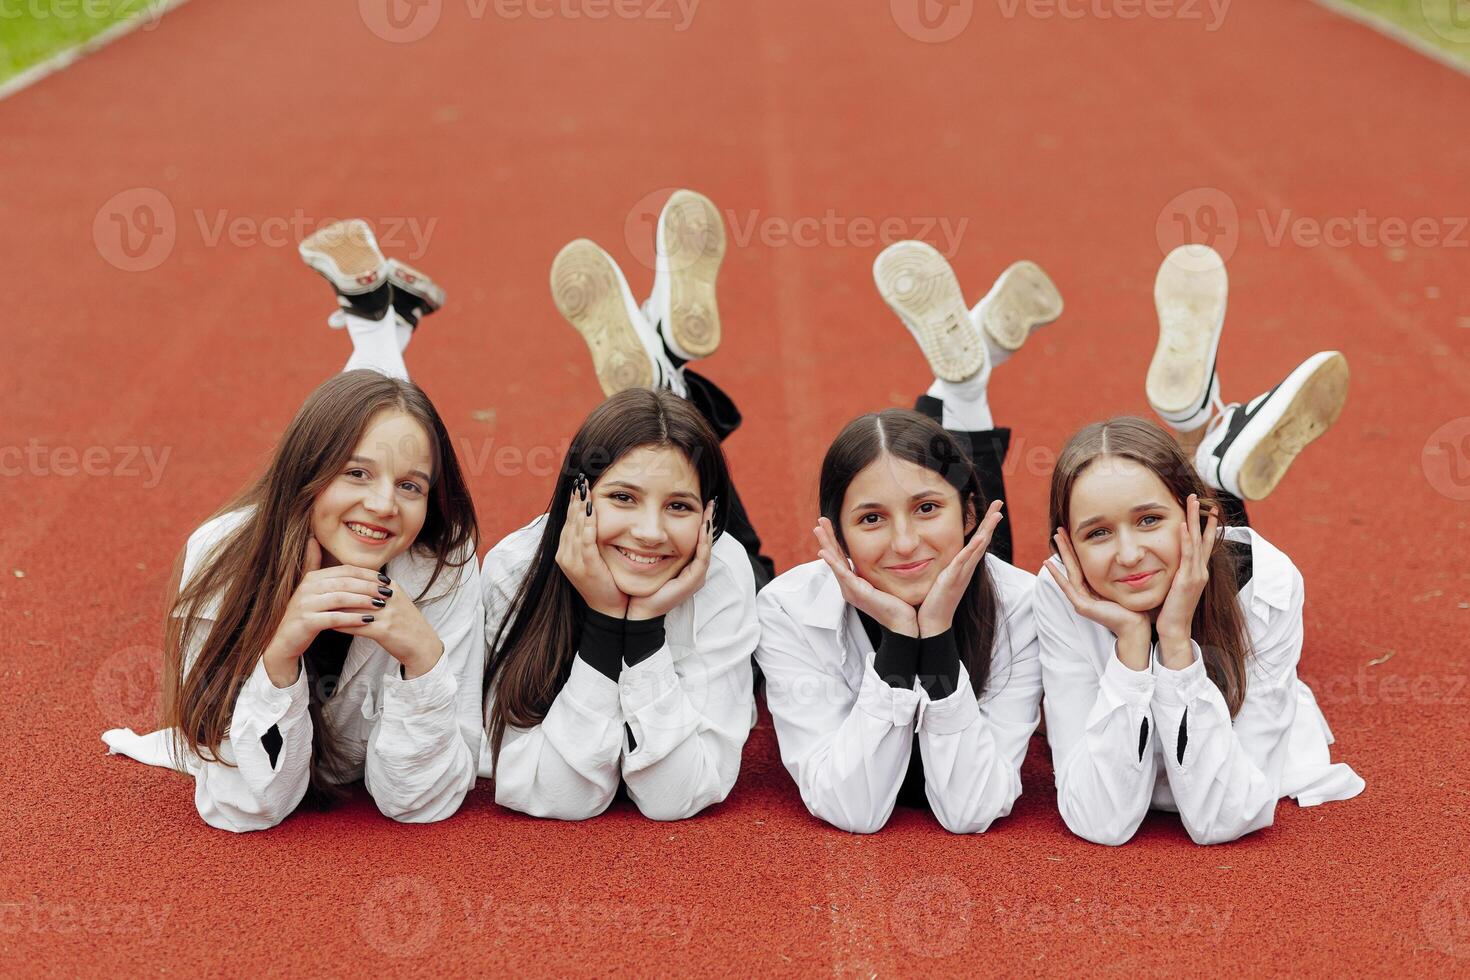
column 939, row 665
column 602, row 644
column 896, row 660
column 642, row 638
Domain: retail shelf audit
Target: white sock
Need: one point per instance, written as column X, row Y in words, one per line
column 405, row 332
column 966, row 407
column 995, row 355
column 375, row 345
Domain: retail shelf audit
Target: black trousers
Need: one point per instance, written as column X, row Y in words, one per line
column 722, row 415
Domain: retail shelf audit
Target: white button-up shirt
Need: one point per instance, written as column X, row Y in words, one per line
column 846, row 735
column 688, row 707
column 414, row 743
column 1110, row 770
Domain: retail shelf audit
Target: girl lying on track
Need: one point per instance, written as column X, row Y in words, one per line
column 1170, row 630
column 327, row 623
column 621, row 622
column 901, row 666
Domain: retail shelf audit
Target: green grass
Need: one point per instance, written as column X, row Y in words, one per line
column 33, row 30
column 1443, row 23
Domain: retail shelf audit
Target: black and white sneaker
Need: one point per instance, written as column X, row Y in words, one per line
column 590, row 291
column 918, row 284
column 1249, row 447
column 415, row 296
column 690, row 246
column 347, row 256
column 1022, row 301
column 1189, row 294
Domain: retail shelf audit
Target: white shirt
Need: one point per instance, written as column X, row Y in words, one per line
column 689, row 706
column 846, row 735
column 1232, row 772
column 414, row 743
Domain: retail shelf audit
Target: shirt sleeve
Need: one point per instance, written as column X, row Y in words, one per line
column 258, row 792
column 1225, row 775
column 688, row 718
column 566, row 767
column 973, row 750
column 1099, row 725
column 848, row 753
column 423, row 749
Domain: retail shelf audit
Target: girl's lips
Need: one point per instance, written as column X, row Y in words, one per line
column 641, row 566
column 911, row 568
column 1138, row 580
column 366, row 541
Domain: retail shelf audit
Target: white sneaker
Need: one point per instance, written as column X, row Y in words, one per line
column 346, row 254
column 919, row 285
column 1249, row 448
column 1022, row 301
column 1189, row 294
column 690, row 246
column 590, row 291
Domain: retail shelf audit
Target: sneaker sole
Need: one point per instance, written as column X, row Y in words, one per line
column 1025, row 299
column 586, row 289
column 1320, row 385
column 411, row 280
column 1190, row 297
column 691, row 235
column 346, row 254
column 919, row 285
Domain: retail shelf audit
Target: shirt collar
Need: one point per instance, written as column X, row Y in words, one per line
column 1271, row 584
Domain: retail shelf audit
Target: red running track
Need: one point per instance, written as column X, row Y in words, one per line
column 499, row 137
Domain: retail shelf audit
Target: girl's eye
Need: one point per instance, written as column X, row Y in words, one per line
column 358, row 474
column 869, row 519
column 680, row 505
column 411, row 487
column 1095, row 532
column 1149, row 520
column 928, row 507
column 621, row 497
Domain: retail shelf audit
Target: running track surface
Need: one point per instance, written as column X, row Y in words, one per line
column 1060, row 140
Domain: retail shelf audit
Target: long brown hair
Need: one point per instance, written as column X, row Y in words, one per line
column 922, row 441
column 1219, row 627
column 253, row 571
column 530, row 657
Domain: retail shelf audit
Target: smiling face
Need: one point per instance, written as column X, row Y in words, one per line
column 1125, row 531
column 649, row 513
column 902, row 523
column 375, row 506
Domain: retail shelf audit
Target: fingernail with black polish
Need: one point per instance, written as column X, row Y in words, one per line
column 380, row 603
column 386, row 593
column 589, row 508
column 367, row 619
column 383, row 578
